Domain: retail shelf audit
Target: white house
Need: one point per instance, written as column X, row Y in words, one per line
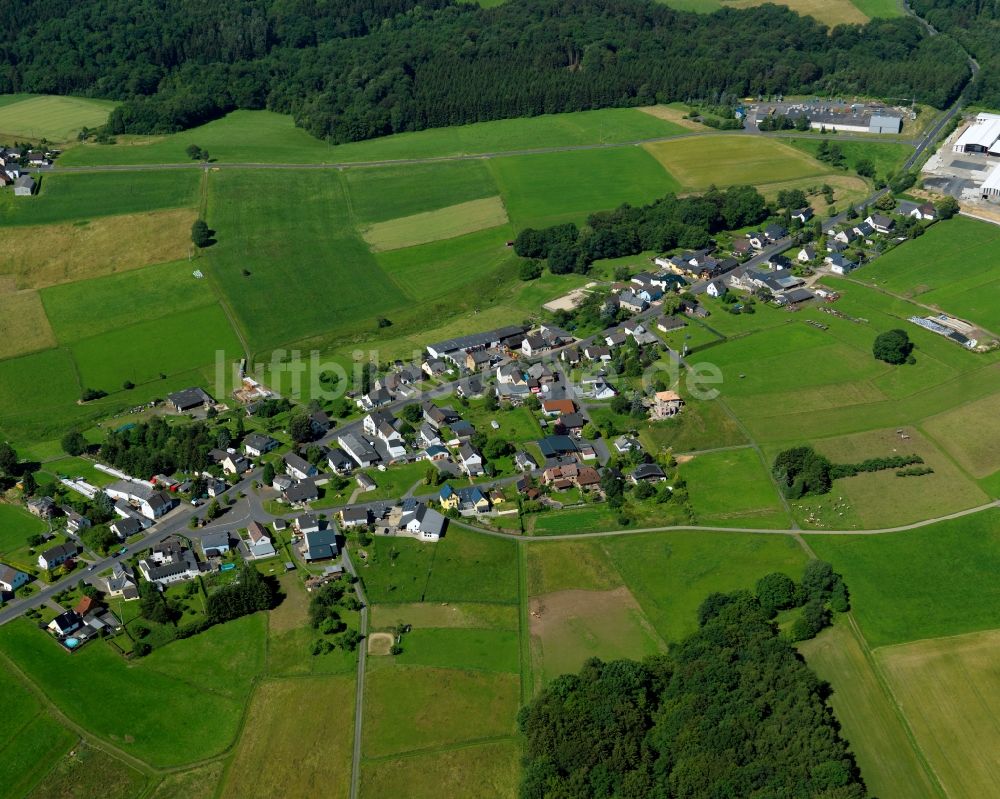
column 470, row 461
column 423, row 522
column 716, row 288
column 259, row 543
column 298, row 467
column 361, row 451
column 57, row 555
column 184, row 567
column 881, row 223
column 256, row 445
column 11, row 579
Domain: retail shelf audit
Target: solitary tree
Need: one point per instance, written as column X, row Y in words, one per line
column 947, row 207
column 73, row 443
column 193, row 151
column 893, row 346
column 200, row 234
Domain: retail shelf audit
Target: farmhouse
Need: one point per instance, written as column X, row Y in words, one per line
column 188, row 399
column 448, row 348
column 57, row 555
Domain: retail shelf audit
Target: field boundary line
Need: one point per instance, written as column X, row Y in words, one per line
column 883, row 683
column 935, row 638
column 524, row 626
column 433, row 750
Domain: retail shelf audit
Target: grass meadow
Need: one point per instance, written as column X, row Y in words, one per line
column 431, row 226
column 935, row 581
column 935, row 270
column 745, row 497
column 163, row 725
column 947, row 690
column 67, row 198
column 541, row 190
column 830, row 12
column 263, row 136
column 702, row 161
column 305, row 752
column 24, row 327
column 872, row 724
column 303, row 263
column 886, row 156
column 50, row 117
column 472, row 615
column 967, row 433
column 89, row 771
column 196, row 783
column 74, row 252
column 472, row 649
column 670, row 574
column 464, row 772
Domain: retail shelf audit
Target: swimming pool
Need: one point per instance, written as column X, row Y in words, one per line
column 72, row 643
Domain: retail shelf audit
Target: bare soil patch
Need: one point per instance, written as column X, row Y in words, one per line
column 380, row 643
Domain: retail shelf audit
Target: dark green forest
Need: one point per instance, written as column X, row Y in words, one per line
column 732, row 711
column 357, row 69
column 976, row 24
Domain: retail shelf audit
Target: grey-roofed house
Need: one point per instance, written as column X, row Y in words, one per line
column 259, row 544
column 425, row 522
column 57, row 555
column 363, row 453
column 11, row 579
column 881, row 223
column 301, row 493
column 358, row 516
column 339, row 461
column 647, row 473
column 553, row 446
column 215, row 544
column 24, row 186
column 318, row 545
column 123, row 528
column 186, row 567
column 298, row 467
column 257, row 444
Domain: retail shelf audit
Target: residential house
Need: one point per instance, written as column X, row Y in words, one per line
column 57, row 555
column 65, row 623
column 24, row 186
column 597, row 353
column 839, row 265
column 428, row 435
column 511, row 374
column 665, row 404
column 298, row 468
column 129, row 526
column 570, row 355
column 925, row 211
column 471, row 387
column 757, row 239
column 301, row 493
column 835, row 245
column 775, row 233
column 632, row 302
column 847, row 236
column 803, row 215
column 558, row 407
column 533, row 344
column 231, row 462
column 470, row 461
column 75, row 522
column 185, row 567
column 376, row 398
column 188, row 399
column 216, row 486
column 434, row 367
column 437, row 452
column 513, row 394
column 624, row 444
column 716, row 288
column 666, row 324
column 214, row 545
column 601, row 390
column 476, row 360
column 615, row 338
column 555, row 336
column 168, row 550
column 552, row 446
column 437, row 416
column 468, row 499
column 11, row 579
column 881, row 223
column 863, row 229
column 806, row 254
column 424, row 522
column 647, row 473
column 358, row 516
column 461, row 431
column 121, row 583
column 256, row 445
column 524, row 462
column 363, row 453
column 742, row 247
column 258, row 542
column 339, row 461
column 570, row 423
column 42, row 507
column 306, row 523
column 318, row 545
column 779, row 262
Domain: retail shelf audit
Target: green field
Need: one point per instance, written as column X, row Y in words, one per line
column 462, row 648
column 50, row 117
column 671, row 573
column 935, row 270
column 262, row 136
column 140, row 352
column 88, row 771
column 67, row 198
column 967, row 433
column 416, row 707
column 16, row 525
column 471, row 615
column 886, row 157
column 161, row 290
column 163, row 725
column 871, row 722
column 733, row 488
column 565, row 565
column 300, row 752
column 948, row 691
column 466, row 772
column 831, row 12
column 702, row 161
column 541, row 190
column 935, row 581
column 430, row 226
column 292, row 231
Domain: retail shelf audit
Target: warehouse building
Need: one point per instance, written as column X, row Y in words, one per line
column 982, row 136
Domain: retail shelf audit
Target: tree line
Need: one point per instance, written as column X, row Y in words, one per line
column 801, row 471
column 365, row 68
column 731, row 710
column 156, row 447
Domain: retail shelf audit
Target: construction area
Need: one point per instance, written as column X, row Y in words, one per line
column 967, row 165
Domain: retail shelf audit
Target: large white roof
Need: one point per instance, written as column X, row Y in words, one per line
column 985, row 132
column 992, row 181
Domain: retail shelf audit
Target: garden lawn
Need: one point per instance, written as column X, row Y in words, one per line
column 416, row 707
column 429, row 226
column 263, row 136
column 163, row 726
column 394, row 192
column 395, row 481
column 142, row 351
column 733, row 160
column 292, row 232
column 670, row 574
column 161, row 290
column 949, row 690
column 51, row 117
column 297, row 740
column 872, row 725
column 733, row 488
column 935, row 581
column 62, row 198
column 468, row 772
column 541, row 190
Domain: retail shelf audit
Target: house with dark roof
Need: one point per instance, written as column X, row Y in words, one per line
column 881, row 223
column 258, row 542
column 358, row 516
column 553, row 446
column 647, row 473
column 318, row 545
column 298, row 468
column 11, row 579
column 300, row 493
column 123, row 528
column 65, row 623
column 257, row 444
column 185, row 567
column 215, row 544
column 339, row 461
column 57, row 555
column 423, row 522
column 189, row 398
